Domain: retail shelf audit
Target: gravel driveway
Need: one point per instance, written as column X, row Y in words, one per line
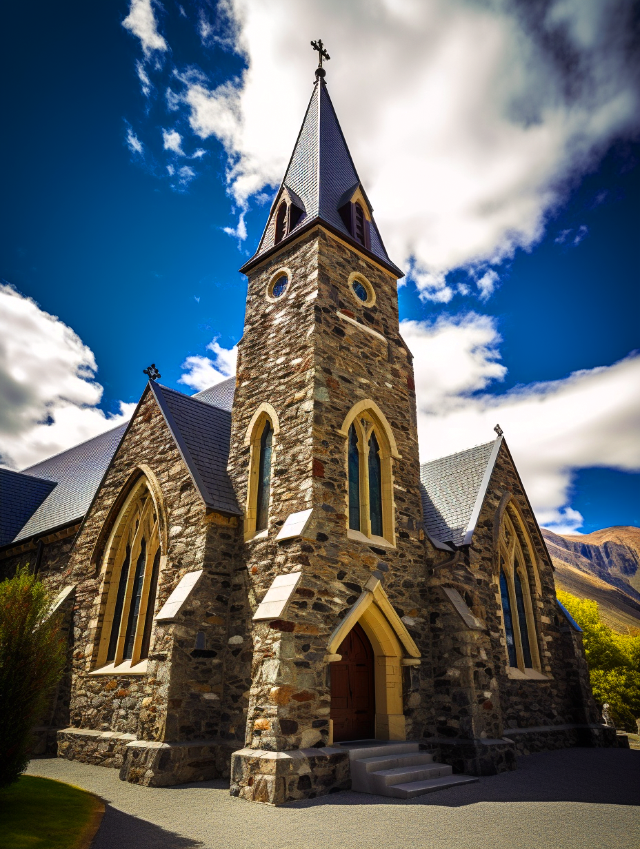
column 570, row 799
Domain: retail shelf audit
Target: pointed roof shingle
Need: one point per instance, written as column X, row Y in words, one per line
column 320, row 178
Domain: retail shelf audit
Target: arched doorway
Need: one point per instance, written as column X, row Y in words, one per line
column 352, row 688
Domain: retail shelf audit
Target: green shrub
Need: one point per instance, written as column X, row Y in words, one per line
column 31, row 662
column 613, row 660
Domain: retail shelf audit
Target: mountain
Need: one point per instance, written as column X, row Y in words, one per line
column 603, row 566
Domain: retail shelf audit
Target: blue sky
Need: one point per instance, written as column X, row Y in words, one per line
column 104, row 228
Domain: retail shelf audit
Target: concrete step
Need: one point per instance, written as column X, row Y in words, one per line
column 410, row 789
column 405, row 774
column 391, row 761
column 358, row 751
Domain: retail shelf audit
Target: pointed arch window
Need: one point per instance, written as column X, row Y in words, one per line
column 281, row 222
column 264, row 477
column 261, row 439
column 354, row 480
column 369, row 476
column 359, row 223
column 516, row 565
column 133, row 560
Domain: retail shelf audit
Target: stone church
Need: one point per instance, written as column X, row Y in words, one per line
column 261, row 582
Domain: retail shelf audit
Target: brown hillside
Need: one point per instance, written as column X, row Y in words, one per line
column 618, row 610
column 612, row 554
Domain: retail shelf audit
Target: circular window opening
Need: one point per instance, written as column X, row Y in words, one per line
column 360, row 291
column 279, row 286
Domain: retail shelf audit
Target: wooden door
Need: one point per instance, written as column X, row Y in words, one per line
column 352, row 689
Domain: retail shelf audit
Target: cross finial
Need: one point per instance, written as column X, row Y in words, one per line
column 152, row 372
column 498, row 430
column 319, row 46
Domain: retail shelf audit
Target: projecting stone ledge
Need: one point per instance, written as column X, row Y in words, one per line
column 274, row 778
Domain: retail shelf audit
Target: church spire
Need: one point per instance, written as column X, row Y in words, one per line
column 321, row 186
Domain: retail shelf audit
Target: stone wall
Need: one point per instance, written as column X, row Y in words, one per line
column 319, row 366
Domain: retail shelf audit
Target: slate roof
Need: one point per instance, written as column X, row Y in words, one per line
column 77, row 472
column 219, row 395
column 20, row 497
column 59, row 490
column 202, row 433
column 453, row 489
column 320, row 176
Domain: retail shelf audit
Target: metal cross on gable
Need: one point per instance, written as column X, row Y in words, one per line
column 152, row 372
column 319, row 46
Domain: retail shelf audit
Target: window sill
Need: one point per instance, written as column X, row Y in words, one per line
column 525, row 675
column 261, row 535
column 123, row 668
column 358, row 536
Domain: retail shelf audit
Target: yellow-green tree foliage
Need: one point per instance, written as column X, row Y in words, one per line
column 613, row 660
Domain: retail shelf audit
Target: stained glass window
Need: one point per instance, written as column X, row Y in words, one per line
column 136, row 596
column 375, row 487
column 151, row 603
column 360, row 290
column 264, row 477
column 508, row 620
column 279, row 287
column 117, row 612
column 522, row 621
column 354, row 480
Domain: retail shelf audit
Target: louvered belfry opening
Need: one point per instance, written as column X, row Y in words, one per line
column 281, row 223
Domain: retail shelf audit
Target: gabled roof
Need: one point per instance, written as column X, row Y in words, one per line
column 202, row 433
column 453, row 489
column 320, row 177
column 20, row 497
column 219, row 395
column 77, row 472
column 64, row 486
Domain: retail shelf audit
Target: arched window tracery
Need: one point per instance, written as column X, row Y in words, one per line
column 369, row 479
column 133, row 558
column 515, row 593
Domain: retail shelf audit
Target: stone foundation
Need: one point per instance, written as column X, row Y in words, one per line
column 476, row 756
column 545, row 738
column 278, row 777
column 101, row 748
column 163, row 764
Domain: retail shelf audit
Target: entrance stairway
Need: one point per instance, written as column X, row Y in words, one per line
column 397, row 769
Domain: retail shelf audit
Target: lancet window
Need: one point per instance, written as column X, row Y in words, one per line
column 516, row 564
column 133, row 560
column 261, row 439
column 369, row 478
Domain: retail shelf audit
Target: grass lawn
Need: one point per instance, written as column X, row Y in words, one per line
column 38, row 813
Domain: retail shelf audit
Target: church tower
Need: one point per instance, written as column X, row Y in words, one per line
column 324, row 461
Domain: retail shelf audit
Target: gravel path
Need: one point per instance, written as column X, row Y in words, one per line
column 571, row 799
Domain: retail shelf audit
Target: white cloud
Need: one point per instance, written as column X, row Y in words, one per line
column 48, row 394
column 133, row 142
column 464, row 118
column 145, row 82
column 141, row 22
column 553, row 428
column 203, row 372
column 172, row 140
column 487, row 284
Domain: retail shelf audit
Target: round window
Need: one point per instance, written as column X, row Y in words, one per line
column 361, row 289
column 279, row 286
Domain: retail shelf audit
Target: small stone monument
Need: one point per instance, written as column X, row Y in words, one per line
column 606, row 716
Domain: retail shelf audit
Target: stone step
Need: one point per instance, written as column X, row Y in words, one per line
column 404, row 774
column 411, row 789
column 390, row 761
column 359, row 751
